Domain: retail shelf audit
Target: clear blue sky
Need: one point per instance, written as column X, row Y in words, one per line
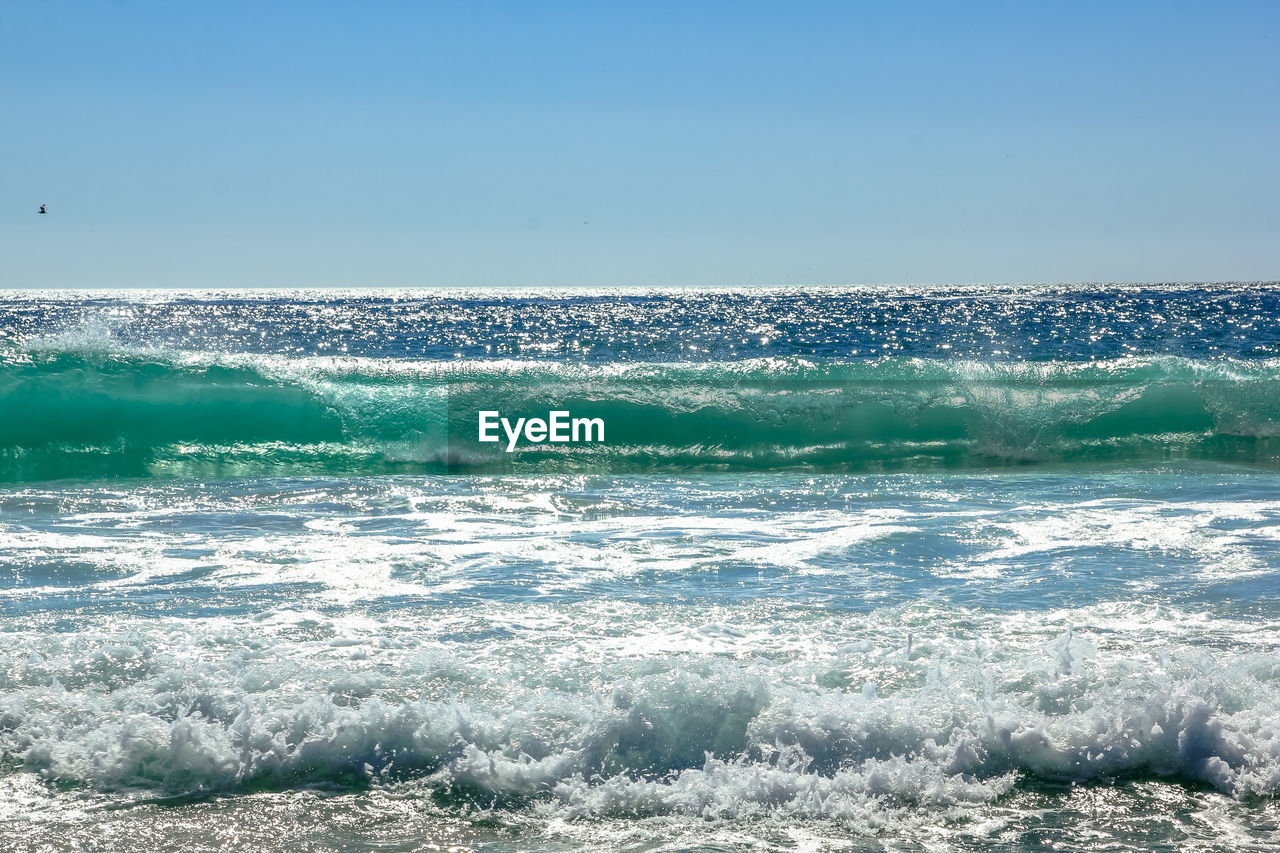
column 466, row 143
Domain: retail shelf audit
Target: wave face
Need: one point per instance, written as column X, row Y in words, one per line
column 112, row 413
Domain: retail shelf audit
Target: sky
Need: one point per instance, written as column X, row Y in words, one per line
column 452, row 143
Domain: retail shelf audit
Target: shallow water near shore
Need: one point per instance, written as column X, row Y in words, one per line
column 252, row 636
column 531, row 662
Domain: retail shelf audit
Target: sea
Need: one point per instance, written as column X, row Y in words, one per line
column 860, row 568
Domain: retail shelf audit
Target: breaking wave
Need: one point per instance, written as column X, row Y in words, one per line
column 693, row 737
column 84, row 413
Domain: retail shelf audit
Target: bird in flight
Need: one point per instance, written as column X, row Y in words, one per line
column 42, row 210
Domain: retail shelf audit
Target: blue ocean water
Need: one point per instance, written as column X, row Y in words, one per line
column 866, row 569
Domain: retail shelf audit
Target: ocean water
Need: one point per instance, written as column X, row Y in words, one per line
column 854, row 569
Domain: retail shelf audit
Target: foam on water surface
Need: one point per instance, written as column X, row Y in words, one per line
column 584, row 657
column 964, row 569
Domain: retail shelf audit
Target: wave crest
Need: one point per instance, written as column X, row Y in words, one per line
column 110, row 413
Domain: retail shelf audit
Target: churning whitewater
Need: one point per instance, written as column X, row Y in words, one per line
column 852, row 569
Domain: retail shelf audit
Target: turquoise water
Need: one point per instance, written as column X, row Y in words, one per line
column 1020, row 593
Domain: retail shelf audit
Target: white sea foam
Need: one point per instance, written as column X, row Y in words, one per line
column 734, row 658
column 753, row 720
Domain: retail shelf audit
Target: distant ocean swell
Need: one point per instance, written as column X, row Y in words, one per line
column 144, row 414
